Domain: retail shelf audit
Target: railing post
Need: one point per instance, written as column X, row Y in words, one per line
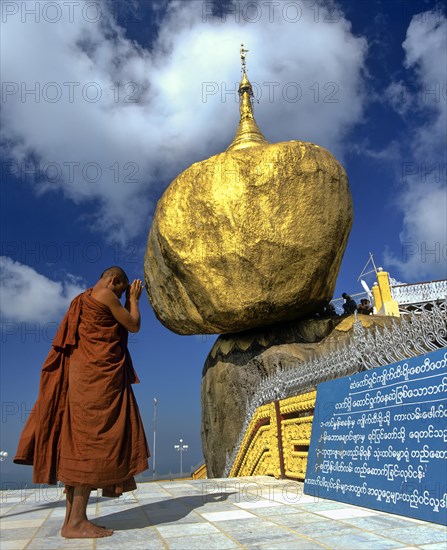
column 389, row 306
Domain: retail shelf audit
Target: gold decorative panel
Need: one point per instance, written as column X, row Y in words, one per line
column 277, row 440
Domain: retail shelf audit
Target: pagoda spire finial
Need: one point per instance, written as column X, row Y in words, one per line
column 245, row 90
column 243, row 52
column 248, row 133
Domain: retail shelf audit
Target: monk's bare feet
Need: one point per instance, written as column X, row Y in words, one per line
column 84, row 530
column 96, row 525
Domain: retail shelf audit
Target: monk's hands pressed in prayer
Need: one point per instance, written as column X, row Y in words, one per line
column 109, row 292
column 134, row 290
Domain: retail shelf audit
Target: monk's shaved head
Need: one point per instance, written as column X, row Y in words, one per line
column 115, row 271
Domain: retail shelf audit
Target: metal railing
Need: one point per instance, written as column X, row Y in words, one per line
column 420, row 292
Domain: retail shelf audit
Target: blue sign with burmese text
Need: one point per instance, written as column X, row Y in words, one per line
column 379, row 439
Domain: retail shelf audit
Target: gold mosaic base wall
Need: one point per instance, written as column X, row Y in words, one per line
column 277, row 440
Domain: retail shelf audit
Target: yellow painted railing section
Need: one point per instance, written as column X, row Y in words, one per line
column 200, row 473
column 383, row 299
column 277, row 440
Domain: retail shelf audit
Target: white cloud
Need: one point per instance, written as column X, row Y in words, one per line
column 390, row 153
column 398, row 96
column 422, row 198
column 140, row 145
column 426, row 52
column 28, row 296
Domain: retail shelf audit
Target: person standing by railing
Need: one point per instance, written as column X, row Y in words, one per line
column 350, row 305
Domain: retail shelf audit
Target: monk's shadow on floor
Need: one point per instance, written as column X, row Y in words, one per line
column 157, row 513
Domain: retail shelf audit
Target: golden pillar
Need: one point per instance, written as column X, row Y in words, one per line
column 382, row 295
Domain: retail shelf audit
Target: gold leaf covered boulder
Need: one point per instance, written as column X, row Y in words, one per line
column 248, row 237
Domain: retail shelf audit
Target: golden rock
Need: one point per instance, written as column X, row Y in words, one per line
column 248, row 237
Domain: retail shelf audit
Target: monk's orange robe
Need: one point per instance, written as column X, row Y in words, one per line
column 85, row 428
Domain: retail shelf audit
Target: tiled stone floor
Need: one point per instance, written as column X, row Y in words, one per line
column 253, row 513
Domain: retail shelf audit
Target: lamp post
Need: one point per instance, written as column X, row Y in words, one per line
column 155, row 425
column 181, row 448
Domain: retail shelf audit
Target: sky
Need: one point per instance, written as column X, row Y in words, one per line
column 104, row 102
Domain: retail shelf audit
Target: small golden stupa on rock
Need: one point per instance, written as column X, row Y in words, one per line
column 248, row 134
column 249, row 237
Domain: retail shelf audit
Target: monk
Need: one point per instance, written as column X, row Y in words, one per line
column 85, row 428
